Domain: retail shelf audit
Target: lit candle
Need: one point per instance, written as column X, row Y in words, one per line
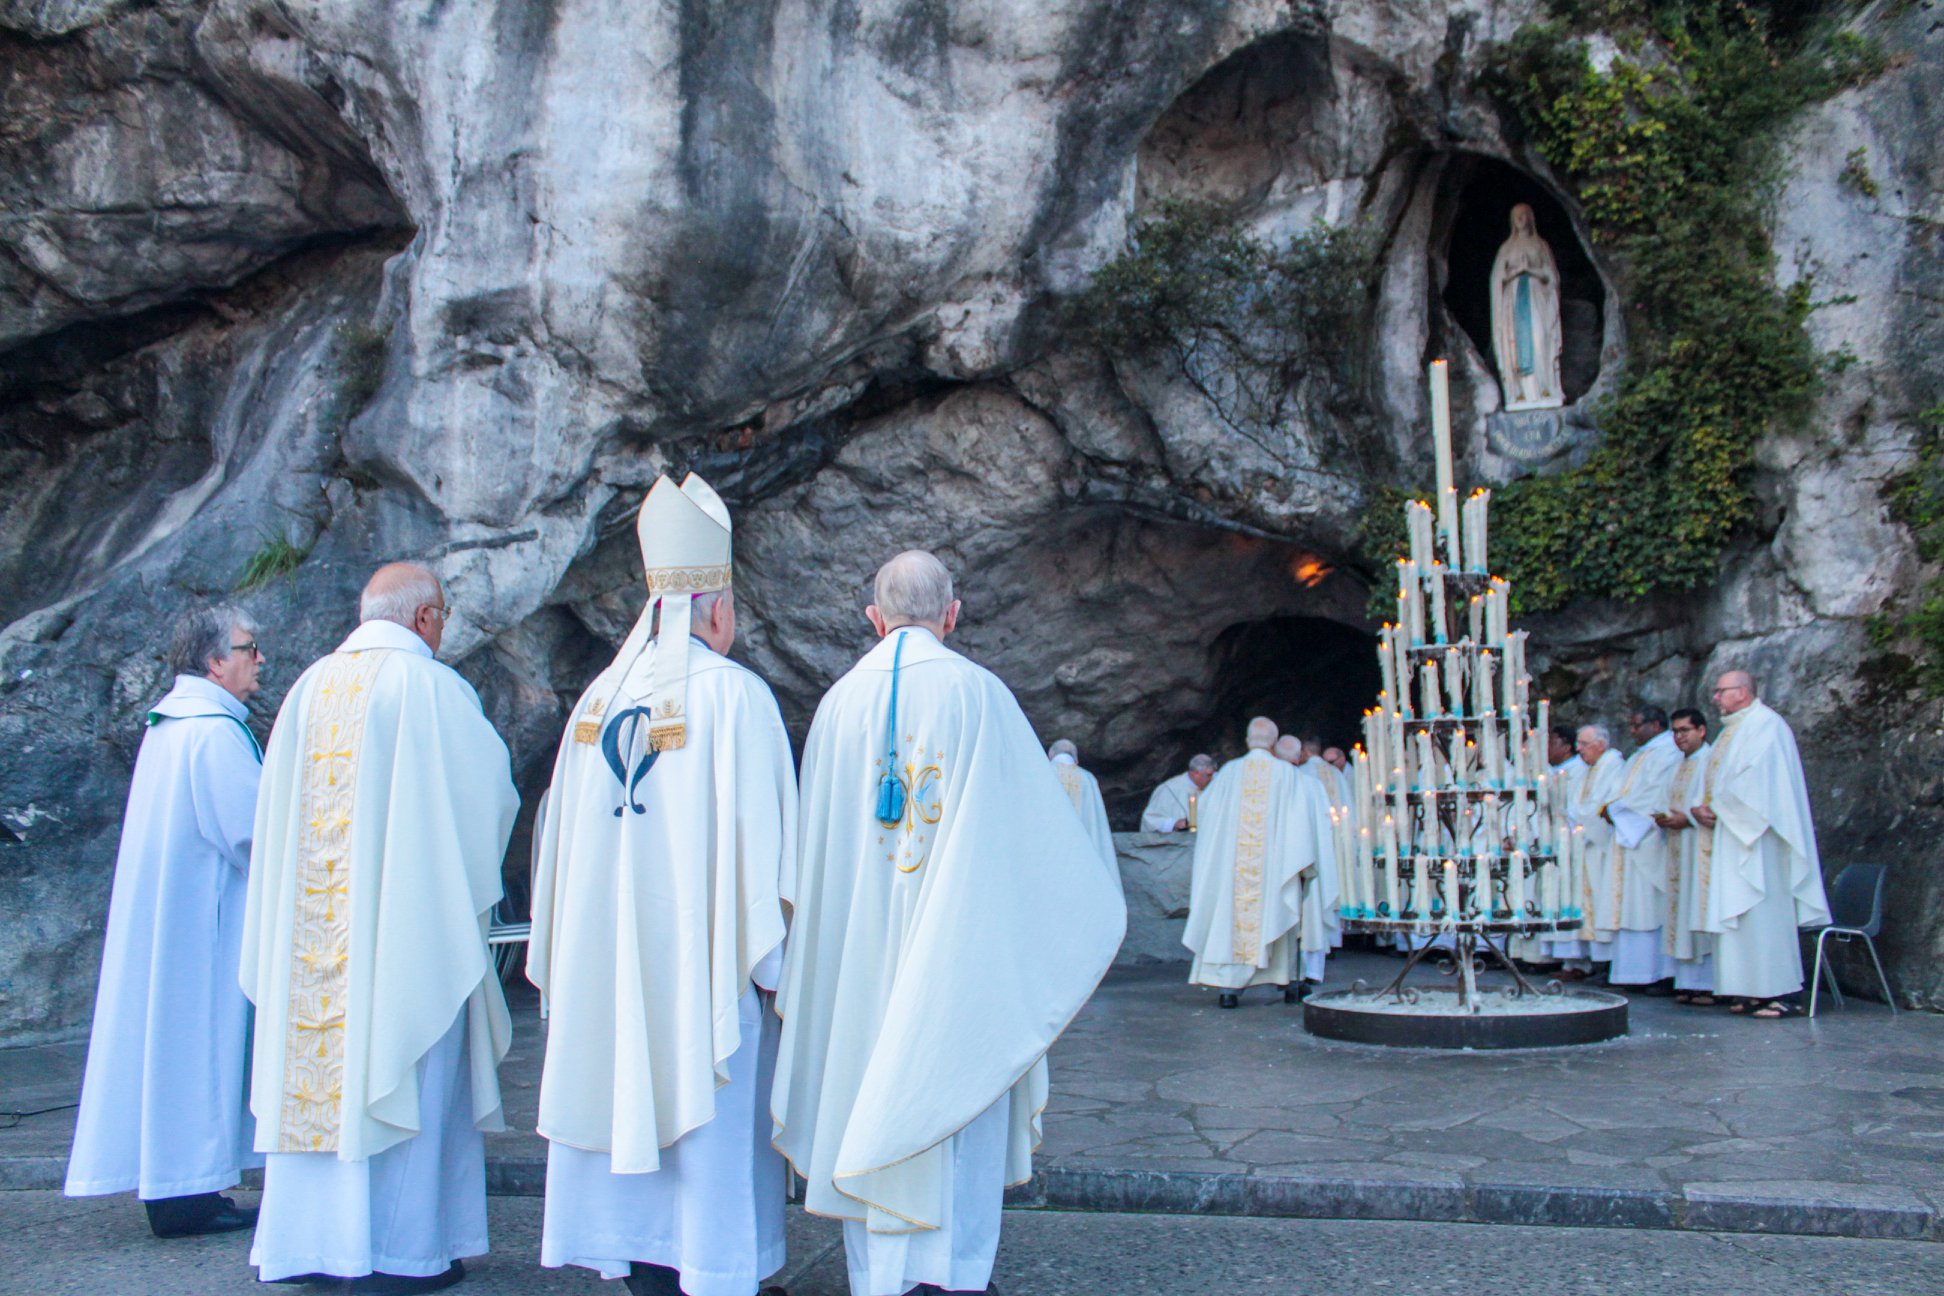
column 1484, row 700
column 1427, row 773
column 1515, row 883
column 1412, row 586
column 1428, row 690
column 1417, row 519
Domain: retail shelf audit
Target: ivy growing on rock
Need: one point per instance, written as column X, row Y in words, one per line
column 1671, row 147
column 1252, row 326
column 1916, row 499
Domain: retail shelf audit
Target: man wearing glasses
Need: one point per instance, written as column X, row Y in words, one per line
column 387, row 801
column 1764, row 875
column 162, row 1109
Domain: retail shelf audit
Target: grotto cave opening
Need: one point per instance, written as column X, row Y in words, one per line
column 1478, row 196
column 1312, row 675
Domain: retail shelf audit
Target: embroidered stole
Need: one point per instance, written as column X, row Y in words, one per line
column 313, row 1087
column 1246, row 915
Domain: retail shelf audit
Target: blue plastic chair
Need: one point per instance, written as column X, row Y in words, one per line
column 1856, row 913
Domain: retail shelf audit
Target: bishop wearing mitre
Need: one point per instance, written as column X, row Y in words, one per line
column 950, row 918
column 386, row 804
column 1254, row 902
column 657, row 926
column 1764, row 874
column 1633, row 905
column 1083, row 789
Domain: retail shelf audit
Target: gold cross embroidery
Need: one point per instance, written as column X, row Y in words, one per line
column 339, row 757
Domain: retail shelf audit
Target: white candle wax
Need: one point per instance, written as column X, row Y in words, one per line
column 1437, row 630
column 1441, row 443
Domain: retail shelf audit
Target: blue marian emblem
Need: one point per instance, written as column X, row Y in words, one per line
column 613, row 747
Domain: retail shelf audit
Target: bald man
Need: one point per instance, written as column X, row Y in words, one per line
column 950, row 917
column 1758, row 853
column 387, row 799
column 1255, row 902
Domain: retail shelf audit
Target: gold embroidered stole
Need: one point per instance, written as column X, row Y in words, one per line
column 1704, row 845
column 1069, row 776
column 1246, row 916
column 313, row 1087
column 1586, row 875
column 1676, row 800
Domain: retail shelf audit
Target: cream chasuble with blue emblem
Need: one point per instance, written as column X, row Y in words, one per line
column 933, row 960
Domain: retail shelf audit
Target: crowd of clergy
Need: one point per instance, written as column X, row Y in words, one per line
column 1701, row 858
column 850, row 971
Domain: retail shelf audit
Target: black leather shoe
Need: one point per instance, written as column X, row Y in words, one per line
column 1229, row 1001
column 653, row 1280
column 1296, row 993
column 179, row 1217
column 384, row 1284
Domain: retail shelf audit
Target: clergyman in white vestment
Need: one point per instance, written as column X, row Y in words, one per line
column 1253, row 902
column 657, row 925
column 387, row 801
column 1635, row 898
column 1168, row 808
column 1328, row 892
column 950, row 919
column 1686, row 941
column 162, row 1108
column 1765, row 876
column 1083, row 789
column 1587, row 792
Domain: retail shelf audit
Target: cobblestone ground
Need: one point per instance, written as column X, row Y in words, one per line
column 53, row 1245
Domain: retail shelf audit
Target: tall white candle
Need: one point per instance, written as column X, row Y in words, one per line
column 1433, row 705
column 1437, row 576
column 1441, row 439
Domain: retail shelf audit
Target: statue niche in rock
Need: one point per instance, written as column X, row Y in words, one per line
column 1525, row 317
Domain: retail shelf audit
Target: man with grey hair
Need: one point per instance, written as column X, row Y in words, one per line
column 950, row 917
column 1083, row 789
column 387, row 801
column 1588, row 789
column 1764, row 874
column 1171, row 808
column 1255, row 900
column 162, row 1110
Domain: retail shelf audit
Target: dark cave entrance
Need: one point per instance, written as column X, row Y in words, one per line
column 1480, row 192
column 1313, row 676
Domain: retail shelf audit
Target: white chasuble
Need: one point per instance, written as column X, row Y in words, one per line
column 1586, row 793
column 162, row 1104
column 1169, row 804
column 1764, row 874
column 1264, row 830
column 1083, row 790
column 933, row 959
column 386, row 804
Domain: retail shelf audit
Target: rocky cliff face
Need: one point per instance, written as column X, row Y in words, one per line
column 359, row 281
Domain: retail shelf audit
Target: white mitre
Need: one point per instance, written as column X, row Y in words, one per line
column 685, row 551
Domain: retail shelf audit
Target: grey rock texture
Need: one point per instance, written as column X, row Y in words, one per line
column 455, row 282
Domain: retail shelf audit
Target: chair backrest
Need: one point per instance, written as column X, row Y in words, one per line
column 1856, row 897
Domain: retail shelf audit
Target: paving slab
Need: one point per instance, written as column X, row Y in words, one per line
column 58, row 1247
column 1162, row 1102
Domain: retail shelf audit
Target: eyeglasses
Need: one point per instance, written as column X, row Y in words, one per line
column 250, row 648
column 1732, row 688
column 444, row 613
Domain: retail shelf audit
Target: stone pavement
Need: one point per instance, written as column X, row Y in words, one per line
column 1163, row 1103
column 56, row 1247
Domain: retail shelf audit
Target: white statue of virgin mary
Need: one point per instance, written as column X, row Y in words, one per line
column 1525, row 317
